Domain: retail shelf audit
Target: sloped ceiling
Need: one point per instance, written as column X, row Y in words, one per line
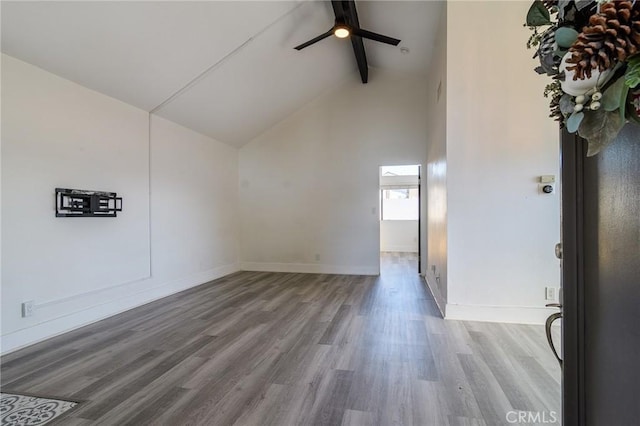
column 226, row 69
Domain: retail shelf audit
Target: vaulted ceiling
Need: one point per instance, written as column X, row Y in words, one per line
column 226, row 69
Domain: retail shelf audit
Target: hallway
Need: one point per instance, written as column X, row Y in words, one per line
column 257, row 348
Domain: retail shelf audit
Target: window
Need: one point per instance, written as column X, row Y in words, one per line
column 400, row 203
column 399, row 170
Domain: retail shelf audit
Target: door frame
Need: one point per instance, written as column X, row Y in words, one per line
column 573, row 154
column 419, row 219
column 420, row 215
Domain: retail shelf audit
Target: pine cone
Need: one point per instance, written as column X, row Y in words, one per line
column 611, row 36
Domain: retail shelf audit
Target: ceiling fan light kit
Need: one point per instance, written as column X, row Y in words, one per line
column 341, row 32
column 347, row 25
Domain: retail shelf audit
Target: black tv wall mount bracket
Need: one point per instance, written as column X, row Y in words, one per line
column 82, row 203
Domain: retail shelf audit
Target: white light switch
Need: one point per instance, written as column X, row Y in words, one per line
column 547, row 179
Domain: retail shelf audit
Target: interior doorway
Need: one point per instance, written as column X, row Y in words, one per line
column 400, row 215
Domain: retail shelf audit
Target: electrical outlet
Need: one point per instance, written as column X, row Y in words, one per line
column 27, row 308
column 550, row 293
column 317, row 257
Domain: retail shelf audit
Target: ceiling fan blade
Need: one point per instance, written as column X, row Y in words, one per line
column 374, row 36
column 361, row 58
column 314, row 40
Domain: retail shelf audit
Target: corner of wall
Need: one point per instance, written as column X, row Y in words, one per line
column 436, row 262
column 431, row 282
column 501, row 230
column 179, row 186
column 309, row 186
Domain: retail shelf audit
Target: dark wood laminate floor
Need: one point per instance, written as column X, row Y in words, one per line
column 287, row 349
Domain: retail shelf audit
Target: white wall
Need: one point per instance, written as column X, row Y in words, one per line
column 78, row 270
column 58, row 134
column 435, row 172
column 309, row 190
column 194, row 203
column 501, row 231
column 399, row 236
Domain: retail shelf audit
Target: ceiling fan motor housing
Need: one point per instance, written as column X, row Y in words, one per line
column 346, row 24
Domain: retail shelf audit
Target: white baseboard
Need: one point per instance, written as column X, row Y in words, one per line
column 506, row 314
column 400, row 249
column 309, row 268
column 59, row 318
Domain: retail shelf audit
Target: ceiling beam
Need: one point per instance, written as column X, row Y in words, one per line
column 356, row 41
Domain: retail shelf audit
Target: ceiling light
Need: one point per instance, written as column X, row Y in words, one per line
column 341, row 32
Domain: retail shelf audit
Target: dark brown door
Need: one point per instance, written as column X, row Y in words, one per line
column 601, row 281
